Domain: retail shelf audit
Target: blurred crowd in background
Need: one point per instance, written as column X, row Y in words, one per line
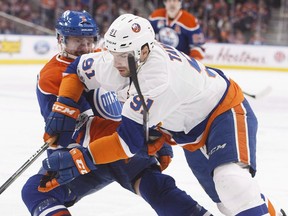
column 222, row 21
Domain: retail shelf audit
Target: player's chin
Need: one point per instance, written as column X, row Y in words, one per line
column 79, row 53
column 123, row 72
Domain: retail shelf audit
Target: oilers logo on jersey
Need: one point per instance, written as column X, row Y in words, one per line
column 169, row 36
column 107, row 104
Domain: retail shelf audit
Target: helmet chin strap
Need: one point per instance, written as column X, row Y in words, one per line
column 67, row 55
column 64, row 53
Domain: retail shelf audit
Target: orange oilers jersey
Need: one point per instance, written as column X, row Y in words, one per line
column 48, row 83
column 183, row 32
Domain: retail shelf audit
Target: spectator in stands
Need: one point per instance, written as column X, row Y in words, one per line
column 224, row 26
column 237, row 38
column 125, row 8
column 5, row 28
column 211, row 36
column 48, row 7
column 257, row 39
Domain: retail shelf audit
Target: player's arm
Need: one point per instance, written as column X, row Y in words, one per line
column 45, row 102
column 126, row 141
column 196, row 37
column 197, row 50
column 68, row 165
column 62, row 119
column 71, row 86
column 48, row 82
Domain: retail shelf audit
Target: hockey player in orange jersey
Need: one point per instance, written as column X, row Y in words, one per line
column 178, row 28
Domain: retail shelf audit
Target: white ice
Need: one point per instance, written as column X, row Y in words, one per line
column 21, row 130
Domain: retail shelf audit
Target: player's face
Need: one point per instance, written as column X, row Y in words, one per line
column 79, row 45
column 172, row 7
column 121, row 62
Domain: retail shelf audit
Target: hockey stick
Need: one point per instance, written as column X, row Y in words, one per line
column 260, row 94
column 133, row 72
column 27, row 164
column 283, row 212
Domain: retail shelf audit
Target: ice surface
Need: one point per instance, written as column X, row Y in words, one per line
column 22, row 126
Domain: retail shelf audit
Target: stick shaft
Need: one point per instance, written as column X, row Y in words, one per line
column 133, row 72
column 26, row 164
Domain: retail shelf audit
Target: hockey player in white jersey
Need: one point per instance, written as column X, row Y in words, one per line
column 76, row 34
column 189, row 104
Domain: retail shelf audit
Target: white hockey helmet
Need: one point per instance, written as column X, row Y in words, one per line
column 129, row 33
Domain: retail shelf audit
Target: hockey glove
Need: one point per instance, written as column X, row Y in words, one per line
column 62, row 120
column 164, row 156
column 155, row 145
column 64, row 166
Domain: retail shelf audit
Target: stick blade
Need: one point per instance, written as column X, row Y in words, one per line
column 264, row 92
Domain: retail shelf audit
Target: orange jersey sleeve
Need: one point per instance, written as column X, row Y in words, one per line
column 107, row 149
column 104, row 143
column 197, row 53
column 71, row 87
column 101, row 127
